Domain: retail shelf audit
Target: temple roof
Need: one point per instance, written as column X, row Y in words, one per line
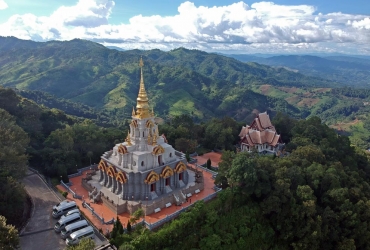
column 262, row 122
column 261, row 131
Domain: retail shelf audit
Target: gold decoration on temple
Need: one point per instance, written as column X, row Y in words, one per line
column 142, row 106
column 152, row 177
column 134, row 123
column 103, row 165
column 128, row 140
column 133, row 111
column 152, row 112
column 149, row 124
column 111, row 171
column 158, row 150
column 154, row 139
column 166, row 172
column 121, row 177
column 180, row 167
column 122, row 149
column 149, row 139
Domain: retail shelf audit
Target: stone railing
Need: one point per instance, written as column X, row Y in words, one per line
column 207, row 170
column 170, row 217
column 86, row 185
column 118, row 209
column 180, row 155
column 80, row 170
column 87, row 206
column 75, row 195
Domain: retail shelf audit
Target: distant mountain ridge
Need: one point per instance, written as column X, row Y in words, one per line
column 180, row 81
column 352, row 71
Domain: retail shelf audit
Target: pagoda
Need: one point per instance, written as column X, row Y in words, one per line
column 144, row 167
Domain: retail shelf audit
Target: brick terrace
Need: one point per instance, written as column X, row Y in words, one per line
column 107, row 214
column 214, row 156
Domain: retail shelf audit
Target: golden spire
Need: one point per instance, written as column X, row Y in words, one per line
column 142, row 107
column 152, row 112
column 133, row 111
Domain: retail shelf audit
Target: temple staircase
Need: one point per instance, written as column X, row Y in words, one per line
column 153, row 195
column 168, row 189
column 179, row 197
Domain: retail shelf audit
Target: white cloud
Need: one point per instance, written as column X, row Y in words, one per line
column 262, row 26
column 3, row 5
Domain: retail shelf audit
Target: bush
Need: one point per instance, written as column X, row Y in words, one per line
column 65, row 194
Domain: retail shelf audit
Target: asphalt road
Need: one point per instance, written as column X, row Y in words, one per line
column 39, row 233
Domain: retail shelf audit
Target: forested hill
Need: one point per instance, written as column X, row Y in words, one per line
column 350, row 71
column 179, row 82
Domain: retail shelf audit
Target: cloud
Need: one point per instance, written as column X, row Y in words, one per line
column 259, row 27
column 3, row 5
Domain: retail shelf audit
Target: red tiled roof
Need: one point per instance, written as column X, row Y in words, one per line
column 275, row 141
column 261, row 131
column 264, row 119
column 244, row 131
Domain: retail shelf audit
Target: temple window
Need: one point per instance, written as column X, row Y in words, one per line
column 143, row 133
column 142, row 163
column 170, row 154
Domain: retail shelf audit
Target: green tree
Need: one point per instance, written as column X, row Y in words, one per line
column 209, row 164
column 137, row 215
column 12, row 200
column 185, row 145
column 129, row 227
column 13, row 144
column 84, row 244
column 9, row 238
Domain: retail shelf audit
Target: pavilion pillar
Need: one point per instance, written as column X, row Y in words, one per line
column 101, row 175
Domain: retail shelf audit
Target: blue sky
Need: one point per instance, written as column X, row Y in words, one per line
column 278, row 26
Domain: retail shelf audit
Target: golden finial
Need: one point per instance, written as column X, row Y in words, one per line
column 142, row 106
column 128, row 140
column 152, row 112
column 133, row 111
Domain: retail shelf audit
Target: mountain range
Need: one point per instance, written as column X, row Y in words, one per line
column 353, row 71
column 179, row 81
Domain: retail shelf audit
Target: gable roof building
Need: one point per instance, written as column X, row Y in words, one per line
column 260, row 135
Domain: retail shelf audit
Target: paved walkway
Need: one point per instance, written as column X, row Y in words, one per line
column 39, row 233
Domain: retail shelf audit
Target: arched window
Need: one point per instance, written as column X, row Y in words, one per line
column 143, row 133
column 142, row 163
column 170, row 154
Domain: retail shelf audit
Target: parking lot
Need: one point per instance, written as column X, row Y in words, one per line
column 39, row 233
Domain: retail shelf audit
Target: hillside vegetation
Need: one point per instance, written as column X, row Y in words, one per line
column 179, row 82
column 317, row 197
column 347, row 70
column 86, row 79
